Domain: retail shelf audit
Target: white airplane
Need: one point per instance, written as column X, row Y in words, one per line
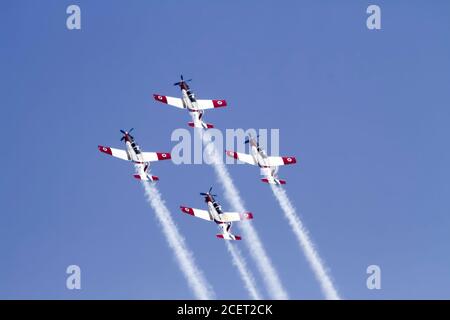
column 133, row 153
column 215, row 213
column 189, row 102
column 258, row 157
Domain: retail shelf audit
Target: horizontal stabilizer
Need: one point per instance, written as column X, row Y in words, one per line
column 200, row 125
column 146, row 177
column 273, row 181
column 228, row 236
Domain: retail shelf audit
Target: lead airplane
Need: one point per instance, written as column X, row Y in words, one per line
column 215, row 213
column 258, row 157
column 189, row 101
column 133, row 153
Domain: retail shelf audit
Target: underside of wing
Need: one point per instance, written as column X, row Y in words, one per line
column 176, row 102
column 211, row 104
column 118, row 153
column 155, row 156
column 244, row 157
column 202, row 214
column 235, row 216
column 280, row 161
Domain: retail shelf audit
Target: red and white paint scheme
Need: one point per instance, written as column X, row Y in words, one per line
column 133, row 153
column 221, row 218
column 258, row 157
column 189, row 102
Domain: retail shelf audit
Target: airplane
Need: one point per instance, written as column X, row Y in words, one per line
column 188, row 101
column 133, row 153
column 215, row 213
column 258, row 157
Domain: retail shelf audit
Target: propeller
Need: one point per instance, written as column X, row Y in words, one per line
column 248, row 139
column 182, row 80
column 208, row 193
column 126, row 133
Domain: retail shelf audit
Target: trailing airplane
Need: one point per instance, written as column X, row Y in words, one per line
column 258, row 157
column 215, row 213
column 133, row 153
column 189, row 102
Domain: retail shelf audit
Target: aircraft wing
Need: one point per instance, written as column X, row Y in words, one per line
column 280, row 161
column 155, row 156
column 235, row 216
column 202, row 214
column 121, row 154
column 211, row 104
column 244, row 157
column 176, row 102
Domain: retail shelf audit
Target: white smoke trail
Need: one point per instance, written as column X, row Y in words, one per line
column 247, row 277
column 252, row 240
column 192, row 273
column 306, row 244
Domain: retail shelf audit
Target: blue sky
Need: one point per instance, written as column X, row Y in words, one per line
column 365, row 112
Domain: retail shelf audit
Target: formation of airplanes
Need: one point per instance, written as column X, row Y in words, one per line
column 268, row 164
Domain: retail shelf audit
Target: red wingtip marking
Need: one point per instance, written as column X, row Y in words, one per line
column 106, row 150
column 209, row 126
column 160, row 98
column 219, row 236
column 265, row 180
column 248, row 215
column 163, row 155
column 282, row 181
column 232, row 154
column 137, row 176
column 187, row 210
column 155, row 178
column 191, row 124
column 219, row 103
column 238, row 237
column 289, row 160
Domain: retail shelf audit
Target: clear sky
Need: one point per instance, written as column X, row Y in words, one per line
column 366, row 113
